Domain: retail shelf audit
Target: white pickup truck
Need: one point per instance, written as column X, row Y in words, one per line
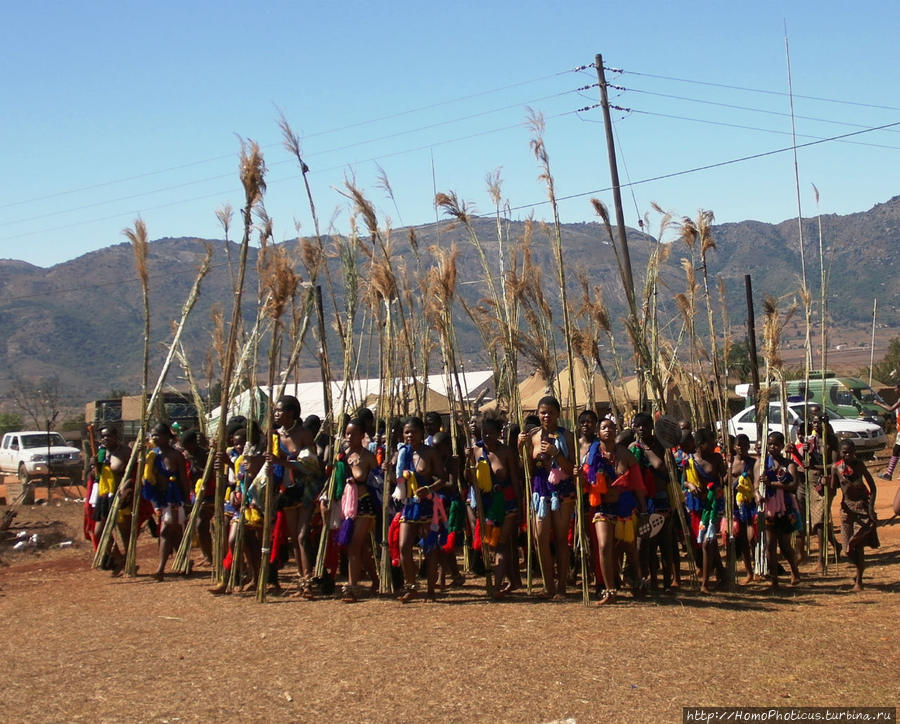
column 25, row 454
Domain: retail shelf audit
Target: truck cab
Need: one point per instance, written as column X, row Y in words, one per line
column 848, row 396
column 35, row 453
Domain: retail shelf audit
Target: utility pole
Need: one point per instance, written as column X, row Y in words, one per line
column 624, row 256
column 617, row 191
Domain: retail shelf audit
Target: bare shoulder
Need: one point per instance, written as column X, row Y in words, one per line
column 625, row 455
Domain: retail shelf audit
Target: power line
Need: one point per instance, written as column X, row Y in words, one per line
column 568, row 197
column 235, row 189
column 743, row 127
column 755, row 90
column 218, row 177
column 340, row 129
column 709, row 166
column 742, row 108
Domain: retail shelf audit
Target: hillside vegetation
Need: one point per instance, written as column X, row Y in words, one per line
column 81, row 320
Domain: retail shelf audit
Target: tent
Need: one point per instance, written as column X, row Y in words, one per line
column 359, row 392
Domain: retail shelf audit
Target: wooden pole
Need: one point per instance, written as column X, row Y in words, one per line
column 872, row 347
column 323, row 357
column 751, row 344
column 623, row 257
column 617, row 191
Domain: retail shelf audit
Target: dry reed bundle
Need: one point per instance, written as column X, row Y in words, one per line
column 659, row 253
column 252, row 170
column 702, row 230
column 381, row 244
column 181, row 563
column 539, row 149
column 439, row 309
column 823, row 366
column 138, row 239
column 593, row 310
column 534, row 343
column 280, row 282
column 646, row 367
column 773, row 326
column 225, row 214
column 504, row 368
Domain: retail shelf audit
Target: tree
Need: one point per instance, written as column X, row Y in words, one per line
column 888, row 369
column 38, row 400
column 10, row 421
column 738, row 362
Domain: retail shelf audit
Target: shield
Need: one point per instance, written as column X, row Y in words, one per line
column 653, row 526
column 667, row 431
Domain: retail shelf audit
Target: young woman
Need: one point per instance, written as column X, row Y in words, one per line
column 703, row 477
column 501, row 504
column 779, row 476
column 857, row 507
column 243, row 461
column 824, row 449
column 166, row 486
column 615, row 493
column 742, row 465
column 297, row 474
column 418, row 470
column 360, row 465
column 552, row 451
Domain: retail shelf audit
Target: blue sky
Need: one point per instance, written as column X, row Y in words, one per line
column 119, row 109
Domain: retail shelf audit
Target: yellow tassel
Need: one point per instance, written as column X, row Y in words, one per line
column 483, row 476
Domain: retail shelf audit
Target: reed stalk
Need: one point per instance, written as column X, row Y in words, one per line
column 280, row 282
column 138, row 239
column 823, row 297
column 643, row 360
column 252, row 174
column 539, row 149
column 703, row 230
column 291, row 142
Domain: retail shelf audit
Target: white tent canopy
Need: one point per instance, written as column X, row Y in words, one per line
column 312, row 398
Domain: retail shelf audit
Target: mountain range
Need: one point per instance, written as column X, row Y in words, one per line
column 81, row 321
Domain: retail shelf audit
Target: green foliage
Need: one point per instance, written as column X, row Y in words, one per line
column 738, row 362
column 10, row 421
column 888, row 369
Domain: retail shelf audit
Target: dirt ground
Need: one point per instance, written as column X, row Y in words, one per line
column 81, row 646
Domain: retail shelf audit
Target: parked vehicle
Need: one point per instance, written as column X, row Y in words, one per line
column 848, row 396
column 25, row 453
column 868, row 436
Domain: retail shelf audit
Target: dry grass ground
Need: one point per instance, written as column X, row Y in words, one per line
column 78, row 645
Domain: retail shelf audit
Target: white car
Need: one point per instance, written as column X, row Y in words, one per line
column 867, row 436
column 25, row 454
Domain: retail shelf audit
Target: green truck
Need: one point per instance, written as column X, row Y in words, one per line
column 848, row 396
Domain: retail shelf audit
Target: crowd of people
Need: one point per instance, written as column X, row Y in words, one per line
column 429, row 494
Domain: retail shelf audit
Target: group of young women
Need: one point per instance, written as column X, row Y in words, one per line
column 645, row 509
